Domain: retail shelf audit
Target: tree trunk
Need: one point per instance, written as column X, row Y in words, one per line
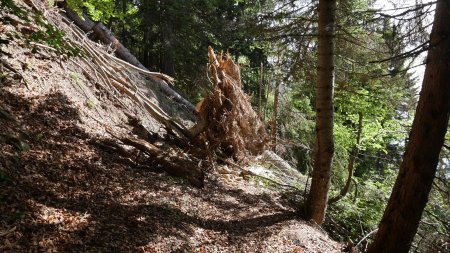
column 105, row 35
column 168, row 58
column 174, row 164
column 260, row 90
column 269, row 79
column 275, row 116
column 417, row 170
column 351, row 164
column 318, row 195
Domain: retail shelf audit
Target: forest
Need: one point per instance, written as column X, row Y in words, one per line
column 225, row 126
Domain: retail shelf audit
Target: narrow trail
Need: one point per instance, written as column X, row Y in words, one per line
column 69, row 194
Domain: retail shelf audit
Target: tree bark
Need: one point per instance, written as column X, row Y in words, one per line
column 318, row 195
column 418, row 168
column 275, row 116
column 106, row 36
column 260, row 90
column 269, row 79
column 174, row 164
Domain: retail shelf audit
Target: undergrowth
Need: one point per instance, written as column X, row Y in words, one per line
column 36, row 30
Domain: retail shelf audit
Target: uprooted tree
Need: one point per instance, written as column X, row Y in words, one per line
column 228, row 124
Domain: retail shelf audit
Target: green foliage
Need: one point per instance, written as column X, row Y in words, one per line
column 45, row 34
column 98, row 10
column 52, row 37
column 75, row 77
column 360, row 211
column 39, row 137
column 89, row 104
column 172, row 37
column 299, row 126
column 385, row 98
column 18, row 215
column 10, row 6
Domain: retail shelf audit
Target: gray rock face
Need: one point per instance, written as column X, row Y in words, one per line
column 272, row 166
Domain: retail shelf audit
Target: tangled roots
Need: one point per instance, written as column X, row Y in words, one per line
column 231, row 124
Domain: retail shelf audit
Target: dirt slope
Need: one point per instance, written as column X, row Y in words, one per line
column 63, row 190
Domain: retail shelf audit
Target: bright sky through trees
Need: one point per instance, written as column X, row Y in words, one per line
column 394, row 7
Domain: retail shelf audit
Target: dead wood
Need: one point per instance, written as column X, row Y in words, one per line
column 228, row 122
column 112, row 73
column 106, row 36
column 114, row 147
column 174, row 163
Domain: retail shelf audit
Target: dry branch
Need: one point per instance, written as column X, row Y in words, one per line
column 106, row 36
column 112, row 74
column 174, row 164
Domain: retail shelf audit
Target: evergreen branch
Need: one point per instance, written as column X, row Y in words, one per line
column 414, row 52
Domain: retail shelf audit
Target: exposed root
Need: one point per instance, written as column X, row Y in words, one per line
column 230, row 125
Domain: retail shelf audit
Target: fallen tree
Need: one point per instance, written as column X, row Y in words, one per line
column 106, row 36
column 174, row 163
column 118, row 81
column 228, row 125
column 113, row 76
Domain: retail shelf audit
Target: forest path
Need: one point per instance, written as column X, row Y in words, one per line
column 69, row 194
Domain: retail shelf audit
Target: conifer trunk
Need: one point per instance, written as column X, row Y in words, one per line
column 318, row 194
column 260, row 90
column 418, row 168
column 269, row 80
column 275, row 116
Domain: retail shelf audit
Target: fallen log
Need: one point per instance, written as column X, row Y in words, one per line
column 106, row 36
column 173, row 164
column 110, row 71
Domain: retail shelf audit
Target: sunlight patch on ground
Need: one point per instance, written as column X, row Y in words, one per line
column 136, row 197
column 65, row 220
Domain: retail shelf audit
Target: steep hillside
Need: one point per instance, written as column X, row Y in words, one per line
column 64, row 185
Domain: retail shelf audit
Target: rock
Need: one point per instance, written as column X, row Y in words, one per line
column 272, row 166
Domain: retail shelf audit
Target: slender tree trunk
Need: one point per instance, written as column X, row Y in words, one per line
column 260, row 90
column 275, row 107
column 318, row 195
column 351, row 164
column 269, row 79
column 275, row 115
column 124, row 31
column 418, row 168
column 168, row 58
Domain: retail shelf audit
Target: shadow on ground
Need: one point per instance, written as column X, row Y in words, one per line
column 46, row 192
